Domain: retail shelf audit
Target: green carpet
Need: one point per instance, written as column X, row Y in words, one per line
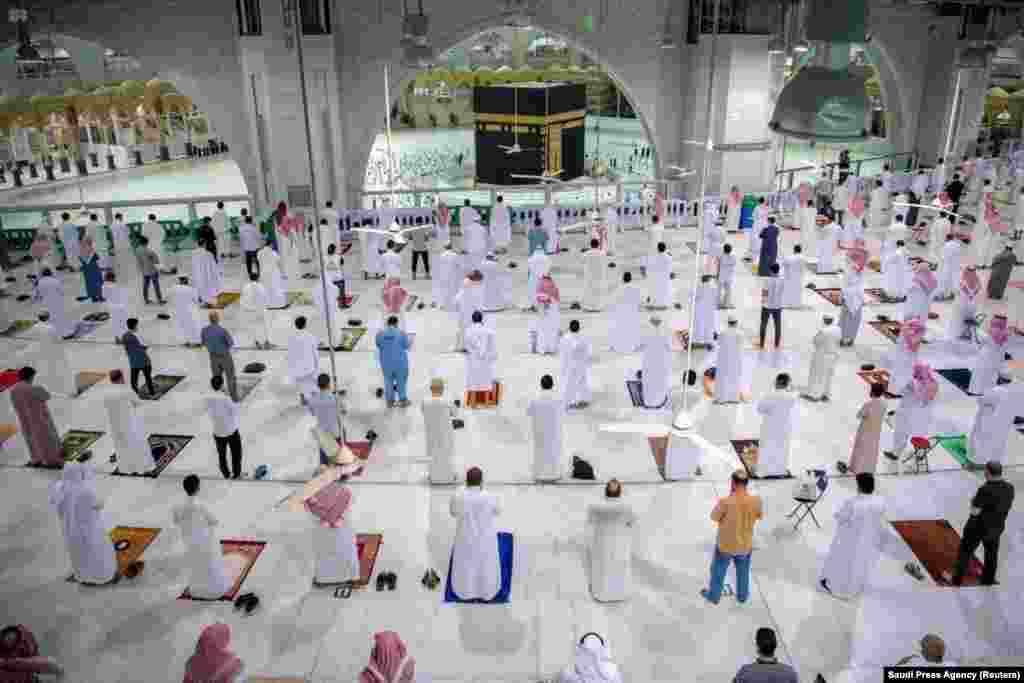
column 957, row 447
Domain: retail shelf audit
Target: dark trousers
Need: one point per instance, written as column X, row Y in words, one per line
column 223, row 365
column 155, row 281
column 973, row 537
column 235, row 442
column 776, row 315
column 416, row 256
column 147, row 372
column 252, row 264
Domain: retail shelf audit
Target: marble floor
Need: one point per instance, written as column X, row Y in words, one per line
column 665, row 632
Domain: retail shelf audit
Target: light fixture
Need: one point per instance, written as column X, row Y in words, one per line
column 418, row 56
column 667, row 41
column 415, row 27
column 801, row 46
column 822, row 104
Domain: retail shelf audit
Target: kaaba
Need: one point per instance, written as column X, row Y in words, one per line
column 548, row 119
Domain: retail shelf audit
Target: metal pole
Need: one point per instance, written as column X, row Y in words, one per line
column 705, row 170
column 316, row 207
column 387, row 135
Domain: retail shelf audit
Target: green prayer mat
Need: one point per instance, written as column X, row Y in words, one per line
column 957, row 447
column 76, row 442
column 16, row 327
column 350, row 336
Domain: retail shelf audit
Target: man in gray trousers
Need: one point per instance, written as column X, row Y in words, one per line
column 219, row 343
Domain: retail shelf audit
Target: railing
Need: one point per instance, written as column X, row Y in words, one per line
column 786, row 177
column 195, row 206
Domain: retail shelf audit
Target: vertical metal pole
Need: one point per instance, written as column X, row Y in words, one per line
column 387, row 135
column 705, row 170
column 328, row 301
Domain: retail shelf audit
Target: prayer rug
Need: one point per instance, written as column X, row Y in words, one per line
column 7, row 431
column 877, row 376
column 245, row 386
column 961, row 378
column 505, row 554
column 636, row 395
column 833, row 295
column 368, row 549
column 164, row 448
column 350, row 337
column 709, row 388
column 360, row 449
column 411, row 302
column 957, row 447
column 659, row 445
column 162, row 384
column 875, row 265
column 814, row 270
column 349, row 299
column 88, row 378
column 936, row 545
column 881, row 297
column 8, row 378
column 890, row 329
column 291, row 299
column 17, row 327
column 239, row 558
column 484, row 399
column 76, row 442
column 130, row 542
column 224, row 299
column 741, row 445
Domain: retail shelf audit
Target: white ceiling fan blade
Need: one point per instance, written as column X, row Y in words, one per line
column 928, row 207
column 708, row 447
column 634, row 428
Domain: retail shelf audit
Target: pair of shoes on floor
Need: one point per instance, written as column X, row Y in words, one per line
column 248, row 602
column 430, row 579
column 842, row 467
column 386, row 580
column 404, row 403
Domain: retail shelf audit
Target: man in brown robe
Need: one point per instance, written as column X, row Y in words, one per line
column 36, row 423
column 864, row 457
column 1002, row 267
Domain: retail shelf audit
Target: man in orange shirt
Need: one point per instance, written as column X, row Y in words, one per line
column 735, row 516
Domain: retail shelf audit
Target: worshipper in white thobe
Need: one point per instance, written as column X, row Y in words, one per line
column 271, row 278
column 729, row 364
column 545, row 412
column 208, row 579
column 611, row 548
column 446, row 279
column 538, row 265
column 760, row 223
column 853, row 220
column 965, row 306
column 990, row 363
column 776, row 410
column 154, row 232
column 828, row 237
column 823, row 361
column 186, row 312
column 134, row 455
column 611, row 219
column 546, row 328
column 726, row 276
column 896, row 272
column 793, row 279
column 391, row 261
column 52, row 361
column 575, row 356
column 334, row 542
column 899, row 361
column 655, row 234
column 841, row 201
column 549, row 217
column 124, row 254
column 501, row 226
column 733, row 209
column 495, row 286
column 254, row 304
column 993, row 421
column 914, row 412
column 897, row 233
column 806, row 215
column 592, row 664
column 656, row 367
column 372, row 263
column 705, row 313
column 51, row 292
column 327, row 325
column 440, row 434
column 467, row 214
column 659, row 275
column 116, row 297
column 481, row 354
column 714, row 242
column 303, row 359
column 595, row 263
column 476, row 565
column 206, row 276
column 86, row 534
column 879, row 201
column 219, row 223
column 950, row 266
column 625, row 333
column 442, row 232
column 857, row 543
column 919, row 296
column 69, row 236
column 289, row 233
column 469, row 300
column 940, row 228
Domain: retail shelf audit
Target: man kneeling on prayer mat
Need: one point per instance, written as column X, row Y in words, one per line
column 334, row 542
column 860, row 526
column 476, row 565
column 593, row 663
column 208, row 579
column 611, row 554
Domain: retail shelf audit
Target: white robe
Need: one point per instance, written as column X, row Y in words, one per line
column 219, row 223
column 879, row 204
column 823, row 361
column 303, row 361
column 595, row 263
column 897, row 274
column 254, row 302
column 474, row 241
column 899, row 363
column 481, row 357
column 208, row 579
column 270, row 277
column 392, row 262
column 611, row 219
column 545, row 414
column 704, row 314
column 440, row 440
column 965, row 307
column 549, row 218
column 575, row 356
column 792, row 281
column 659, row 277
column 682, row 455
column 495, row 287
column 732, row 215
column 656, row 371
column 128, row 431
column 726, row 278
column 950, row 269
column 476, row 565
column 548, row 327
column 776, row 410
column 154, row 232
column 337, row 557
column 827, row 248
column 72, row 245
column 913, row 418
column 52, row 362
column 538, row 265
column 372, row 263
column 918, row 303
column 186, row 313
column 124, row 255
column 117, row 306
column 469, row 300
column 625, row 334
column 853, row 228
column 988, row 365
column 447, row 278
column 937, row 232
column 327, row 312
column 993, row 422
column 656, row 235
column 856, row 545
column 86, row 534
column 611, row 550
column 729, row 366
column 51, row 291
column 805, row 217
column 501, row 226
column 288, row 250
column 206, row 276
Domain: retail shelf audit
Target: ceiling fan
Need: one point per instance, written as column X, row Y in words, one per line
column 514, row 148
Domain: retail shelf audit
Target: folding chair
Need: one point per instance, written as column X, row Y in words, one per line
column 805, row 505
column 923, row 446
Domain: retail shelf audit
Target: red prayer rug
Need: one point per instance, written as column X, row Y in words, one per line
column 239, row 558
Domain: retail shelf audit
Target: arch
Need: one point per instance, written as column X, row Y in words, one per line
column 893, row 93
column 403, row 75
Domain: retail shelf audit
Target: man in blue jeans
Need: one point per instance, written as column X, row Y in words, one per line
column 736, row 516
column 393, row 350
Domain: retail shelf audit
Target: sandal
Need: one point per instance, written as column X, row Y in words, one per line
column 343, row 592
column 914, row 569
column 381, row 581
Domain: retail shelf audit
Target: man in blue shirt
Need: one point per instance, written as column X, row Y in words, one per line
column 537, row 237
column 323, row 405
column 138, row 357
column 219, row 343
column 393, row 351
